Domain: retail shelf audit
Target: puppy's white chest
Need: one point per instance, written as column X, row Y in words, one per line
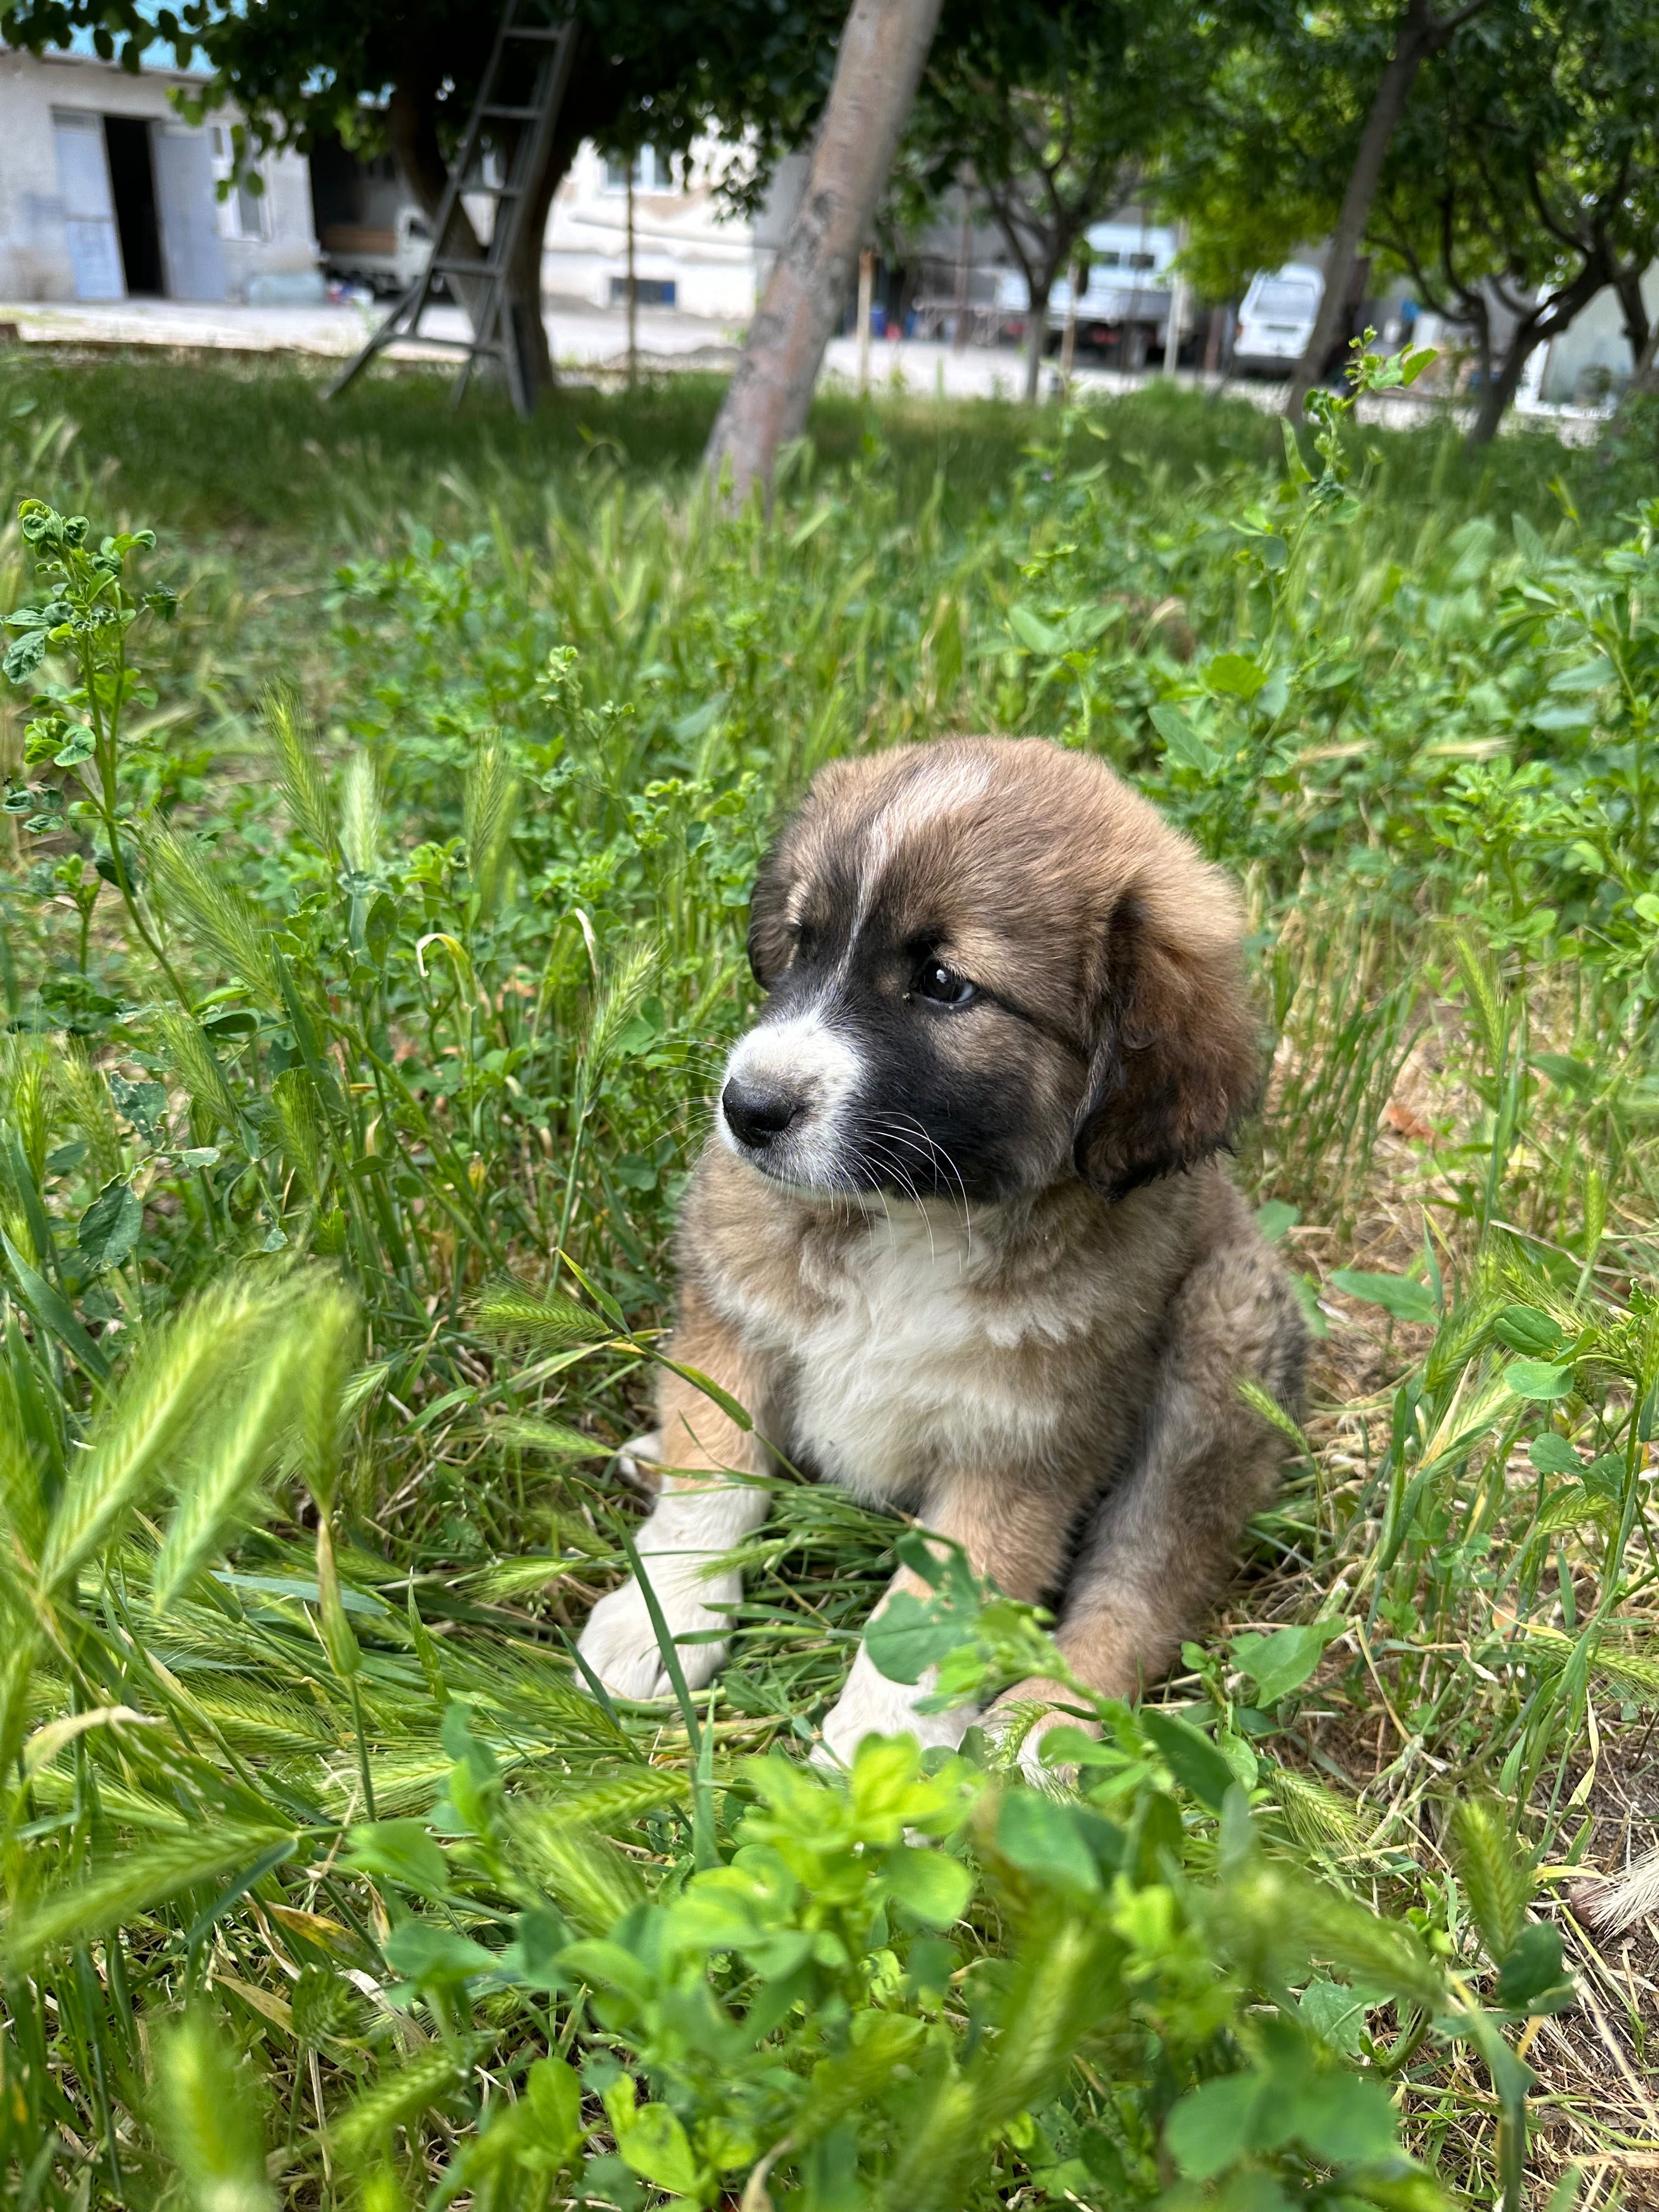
column 904, row 1371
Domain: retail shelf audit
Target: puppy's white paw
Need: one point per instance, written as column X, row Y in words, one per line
column 872, row 1706
column 1026, row 1714
column 637, row 1462
column 620, row 1645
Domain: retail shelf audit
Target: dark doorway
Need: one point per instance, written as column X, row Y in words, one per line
column 133, row 183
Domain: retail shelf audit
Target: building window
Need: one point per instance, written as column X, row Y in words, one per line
column 649, row 291
column 652, row 171
column 243, row 212
column 1143, row 261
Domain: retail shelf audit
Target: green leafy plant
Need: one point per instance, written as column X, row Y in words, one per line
column 334, row 1271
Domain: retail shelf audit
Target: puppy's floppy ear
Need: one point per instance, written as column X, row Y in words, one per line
column 1176, row 1056
column 768, row 937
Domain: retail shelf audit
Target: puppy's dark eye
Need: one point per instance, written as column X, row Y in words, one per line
column 944, row 986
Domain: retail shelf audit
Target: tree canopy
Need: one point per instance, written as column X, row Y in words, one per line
column 407, row 72
column 1525, row 178
column 1055, row 116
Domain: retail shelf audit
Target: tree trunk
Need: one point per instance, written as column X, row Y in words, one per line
column 865, row 309
column 1068, row 338
column 1633, row 310
column 412, row 130
column 884, row 48
column 1417, row 34
column 1036, row 339
column 1499, row 391
column 523, row 271
column 1645, row 378
column 959, row 329
column 1642, row 335
column 1547, row 321
column 411, row 127
column 633, row 289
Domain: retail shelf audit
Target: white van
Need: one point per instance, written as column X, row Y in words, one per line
column 1276, row 318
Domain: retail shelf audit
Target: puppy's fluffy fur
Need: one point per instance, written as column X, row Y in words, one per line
column 960, row 1241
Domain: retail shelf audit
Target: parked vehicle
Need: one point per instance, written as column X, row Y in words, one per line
column 1277, row 318
column 386, row 260
column 1124, row 307
column 1127, row 293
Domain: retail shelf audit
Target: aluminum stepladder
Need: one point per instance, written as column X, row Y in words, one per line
column 496, row 329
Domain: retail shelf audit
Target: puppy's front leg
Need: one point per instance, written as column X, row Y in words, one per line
column 700, row 1512
column 1164, row 1538
column 1012, row 1529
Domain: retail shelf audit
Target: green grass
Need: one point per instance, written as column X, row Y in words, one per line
column 421, row 980
column 248, row 448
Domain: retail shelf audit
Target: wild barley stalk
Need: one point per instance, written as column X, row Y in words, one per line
column 489, row 798
column 24, row 1073
column 174, row 1376
column 360, row 815
column 617, row 1005
column 304, row 785
column 194, row 1062
column 236, row 1443
column 87, row 1091
column 207, row 2113
column 213, row 912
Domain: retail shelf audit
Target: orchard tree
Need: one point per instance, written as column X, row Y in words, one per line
column 1525, row 180
column 1411, row 34
column 406, row 72
column 1057, row 117
column 883, row 49
column 1301, row 113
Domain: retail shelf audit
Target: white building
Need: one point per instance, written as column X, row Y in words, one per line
column 108, row 193
column 1590, row 363
column 688, row 252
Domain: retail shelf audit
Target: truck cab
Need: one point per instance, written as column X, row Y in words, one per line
column 1124, row 306
column 384, row 259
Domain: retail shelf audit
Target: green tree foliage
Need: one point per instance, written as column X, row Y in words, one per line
column 1268, row 161
column 647, row 71
column 1052, row 118
column 1520, row 179
column 1524, row 180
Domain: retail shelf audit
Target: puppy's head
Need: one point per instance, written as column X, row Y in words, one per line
column 990, row 966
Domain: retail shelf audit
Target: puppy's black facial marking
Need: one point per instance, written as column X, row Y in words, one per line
column 939, row 1098
column 991, row 966
column 943, row 1107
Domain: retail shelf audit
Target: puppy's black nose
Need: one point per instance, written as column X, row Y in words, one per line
column 757, row 1113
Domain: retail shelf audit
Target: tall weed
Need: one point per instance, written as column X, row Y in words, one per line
column 348, row 1090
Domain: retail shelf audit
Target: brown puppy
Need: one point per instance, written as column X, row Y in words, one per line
column 960, row 1241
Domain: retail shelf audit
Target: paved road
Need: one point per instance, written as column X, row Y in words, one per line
column 582, row 337
column 592, row 340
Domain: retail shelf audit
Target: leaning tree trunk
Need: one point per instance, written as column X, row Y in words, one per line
column 1643, row 337
column 1546, row 321
column 1644, row 377
column 884, row 48
column 1497, row 392
column 1036, row 341
column 1417, row 35
column 524, row 270
column 412, row 129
